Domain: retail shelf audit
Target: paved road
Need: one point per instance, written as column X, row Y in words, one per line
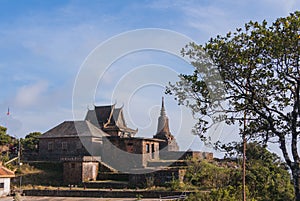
column 37, row 198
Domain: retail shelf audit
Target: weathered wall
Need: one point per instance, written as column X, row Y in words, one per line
column 72, row 172
column 76, row 172
column 73, row 147
column 89, row 171
column 6, row 186
column 153, row 152
column 113, row 176
column 104, row 194
column 158, row 178
column 182, row 155
column 128, row 152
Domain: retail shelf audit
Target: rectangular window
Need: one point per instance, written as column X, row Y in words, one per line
column 64, row 146
column 152, row 151
column 1, row 185
column 50, row 146
column 147, row 148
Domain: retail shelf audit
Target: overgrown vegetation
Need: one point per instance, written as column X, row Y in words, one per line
column 30, row 142
column 9, row 146
column 40, row 174
column 267, row 178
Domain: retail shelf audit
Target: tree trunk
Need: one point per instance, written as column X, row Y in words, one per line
column 294, row 166
column 297, row 186
column 296, row 180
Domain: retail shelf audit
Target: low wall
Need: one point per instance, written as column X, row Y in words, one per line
column 183, row 155
column 157, row 178
column 113, row 176
column 101, row 193
column 101, row 185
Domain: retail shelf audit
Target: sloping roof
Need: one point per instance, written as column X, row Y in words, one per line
column 108, row 117
column 100, row 115
column 6, row 173
column 74, row 129
column 116, row 117
column 104, row 113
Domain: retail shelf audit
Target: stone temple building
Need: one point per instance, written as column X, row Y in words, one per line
column 103, row 141
column 105, row 124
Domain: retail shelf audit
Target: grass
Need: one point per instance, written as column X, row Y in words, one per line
column 39, row 174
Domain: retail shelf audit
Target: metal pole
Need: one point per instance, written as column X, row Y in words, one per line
column 244, row 153
column 19, row 162
column 244, row 162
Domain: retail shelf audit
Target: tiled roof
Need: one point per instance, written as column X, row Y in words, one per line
column 108, row 117
column 103, row 113
column 6, row 173
column 74, row 129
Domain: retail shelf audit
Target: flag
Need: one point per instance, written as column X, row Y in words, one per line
column 7, row 111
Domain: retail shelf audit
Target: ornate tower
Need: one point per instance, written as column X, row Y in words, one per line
column 163, row 131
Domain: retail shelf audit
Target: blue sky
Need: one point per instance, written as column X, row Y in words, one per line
column 44, row 43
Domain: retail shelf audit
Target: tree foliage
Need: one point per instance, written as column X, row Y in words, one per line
column 30, row 142
column 5, row 139
column 260, row 70
column 267, row 177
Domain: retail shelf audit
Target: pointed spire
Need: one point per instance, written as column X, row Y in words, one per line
column 163, row 111
column 163, row 121
column 163, row 131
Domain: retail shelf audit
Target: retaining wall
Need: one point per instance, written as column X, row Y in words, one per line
column 101, row 193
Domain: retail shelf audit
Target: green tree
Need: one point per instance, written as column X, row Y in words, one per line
column 267, row 177
column 207, row 175
column 259, row 67
column 30, row 142
column 5, row 139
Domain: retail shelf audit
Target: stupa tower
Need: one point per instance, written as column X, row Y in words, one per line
column 163, row 131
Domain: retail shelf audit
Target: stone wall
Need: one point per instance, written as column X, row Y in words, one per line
column 152, row 153
column 113, row 176
column 72, row 172
column 128, row 153
column 106, row 184
column 56, row 148
column 89, row 171
column 182, row 155
column 102, row 193
column 78, row 171
column 158, row 178
column 48, row 152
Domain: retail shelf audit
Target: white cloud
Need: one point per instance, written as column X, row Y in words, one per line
column 219, row 17
column 28, row 95
column 287, row 7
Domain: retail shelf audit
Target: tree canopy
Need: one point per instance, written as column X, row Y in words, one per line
column 30, row 142
column 267, row 177
column 258, row 66
column 5, row 139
